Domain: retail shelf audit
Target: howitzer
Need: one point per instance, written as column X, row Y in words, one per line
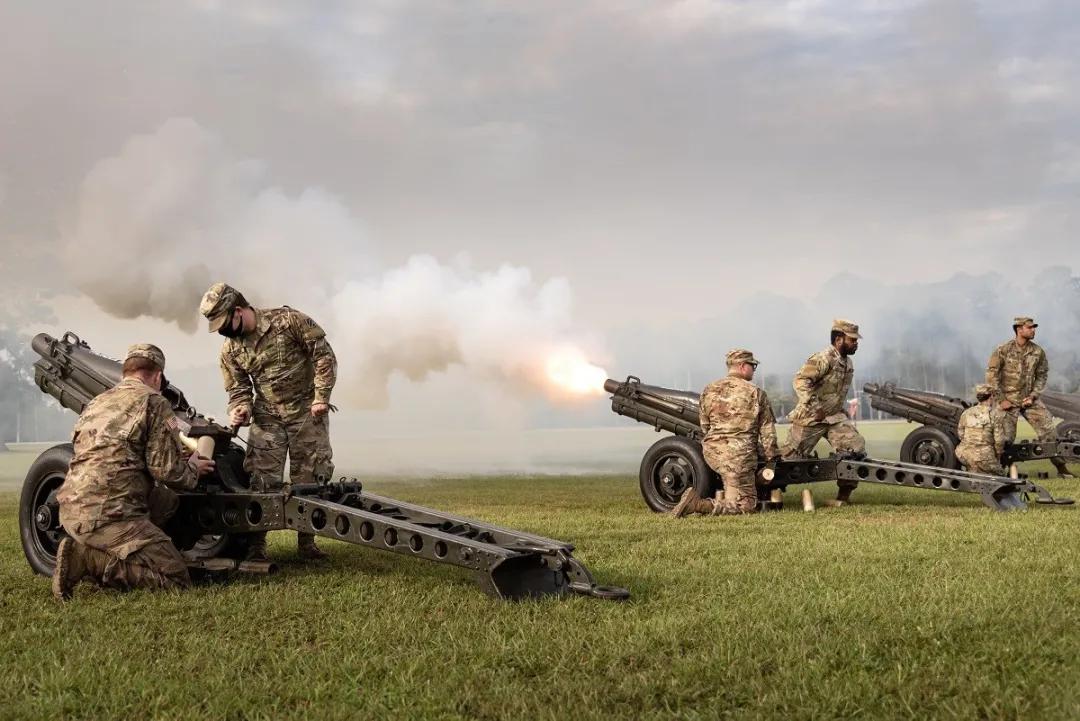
column 211, row 524
column 934, row 442
column 675, row 463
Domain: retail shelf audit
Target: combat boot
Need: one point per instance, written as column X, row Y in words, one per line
column 690, row 502
column 70, row 569
column 1062, row 468
column 256, row 550
column 306, row 548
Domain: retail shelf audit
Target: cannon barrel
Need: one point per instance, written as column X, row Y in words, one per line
column 73, row 374
column 70, row 372
column 931, row 409
column 666, row 409
column 1063, row 405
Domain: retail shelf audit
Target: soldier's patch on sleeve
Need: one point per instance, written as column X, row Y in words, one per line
column 172, row 423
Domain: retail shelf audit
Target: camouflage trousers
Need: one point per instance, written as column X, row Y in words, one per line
column 979, row 459
column 306, row 440
column 1037, row 415
column 133, row 553
column 841, row 436
column 735, row 461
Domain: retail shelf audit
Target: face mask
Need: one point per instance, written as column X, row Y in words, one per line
column 228, row 331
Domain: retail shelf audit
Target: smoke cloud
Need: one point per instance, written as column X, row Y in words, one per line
column 176, row 210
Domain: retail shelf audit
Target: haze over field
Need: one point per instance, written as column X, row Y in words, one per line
column 478, row 200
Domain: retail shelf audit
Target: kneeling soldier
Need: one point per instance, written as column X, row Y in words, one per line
column 982, row 434
column 125, row 442
column 739, row 424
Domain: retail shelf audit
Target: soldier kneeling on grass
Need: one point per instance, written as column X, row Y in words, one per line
column 982, row 434
column 739, row 427
column 114, row 498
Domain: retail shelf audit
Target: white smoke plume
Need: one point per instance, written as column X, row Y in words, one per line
column 175, row 211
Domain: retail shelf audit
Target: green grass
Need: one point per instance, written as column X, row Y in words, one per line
column 910, row 604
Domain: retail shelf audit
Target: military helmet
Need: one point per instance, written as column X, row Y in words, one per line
column 983, row 389
column 148, row 351
column 738, row 356
column 218, row 302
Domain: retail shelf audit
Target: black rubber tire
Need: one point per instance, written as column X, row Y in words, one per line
column 1069, row 430
column 41, row 536
column 670, row 466
column 930, row 446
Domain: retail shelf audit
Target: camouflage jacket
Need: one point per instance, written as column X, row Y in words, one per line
column 733, row 408
column 282, row 367
column 983, row 426
column 821, row 386
column 125, row 442
column 1016, row 372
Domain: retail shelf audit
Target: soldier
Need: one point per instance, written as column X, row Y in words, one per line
column 739, row 426
column 125, row 442
column 1017, row 374
column 982, row 434
column 279, row 371
column 821, row 386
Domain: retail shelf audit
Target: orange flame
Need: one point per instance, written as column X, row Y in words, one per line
column 570, row 372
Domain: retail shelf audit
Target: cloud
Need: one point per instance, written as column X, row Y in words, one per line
column 176, row 210
column 663, row 158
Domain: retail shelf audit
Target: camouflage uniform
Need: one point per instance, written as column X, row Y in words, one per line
column 821, row 386
column 277, row 372
column 126, row 442
column 739, row 427
column 982, row 435
column 1017, row 372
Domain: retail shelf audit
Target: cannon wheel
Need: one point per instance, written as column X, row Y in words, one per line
column 670, row 466
column 929, row 446
column 39, row 515
column 1069, row 430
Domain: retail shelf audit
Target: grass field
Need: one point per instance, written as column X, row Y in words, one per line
column 910, row 604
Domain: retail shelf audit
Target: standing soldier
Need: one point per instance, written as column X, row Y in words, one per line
column 821, row 386
column 125, row 442
column 739, row 425
column 1017, row 374
column 279, row 371
column 982, row 434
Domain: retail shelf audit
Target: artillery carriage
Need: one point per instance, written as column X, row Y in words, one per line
column 934, row 442
column 675, row 463
column 213, row 521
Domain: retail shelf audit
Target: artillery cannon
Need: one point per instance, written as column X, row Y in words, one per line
column 934, row 442
column 211, row 524
column 675, row 463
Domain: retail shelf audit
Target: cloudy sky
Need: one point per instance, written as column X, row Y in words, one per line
column 583, row 167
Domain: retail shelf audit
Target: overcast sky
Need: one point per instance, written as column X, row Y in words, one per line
column 667, row 159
